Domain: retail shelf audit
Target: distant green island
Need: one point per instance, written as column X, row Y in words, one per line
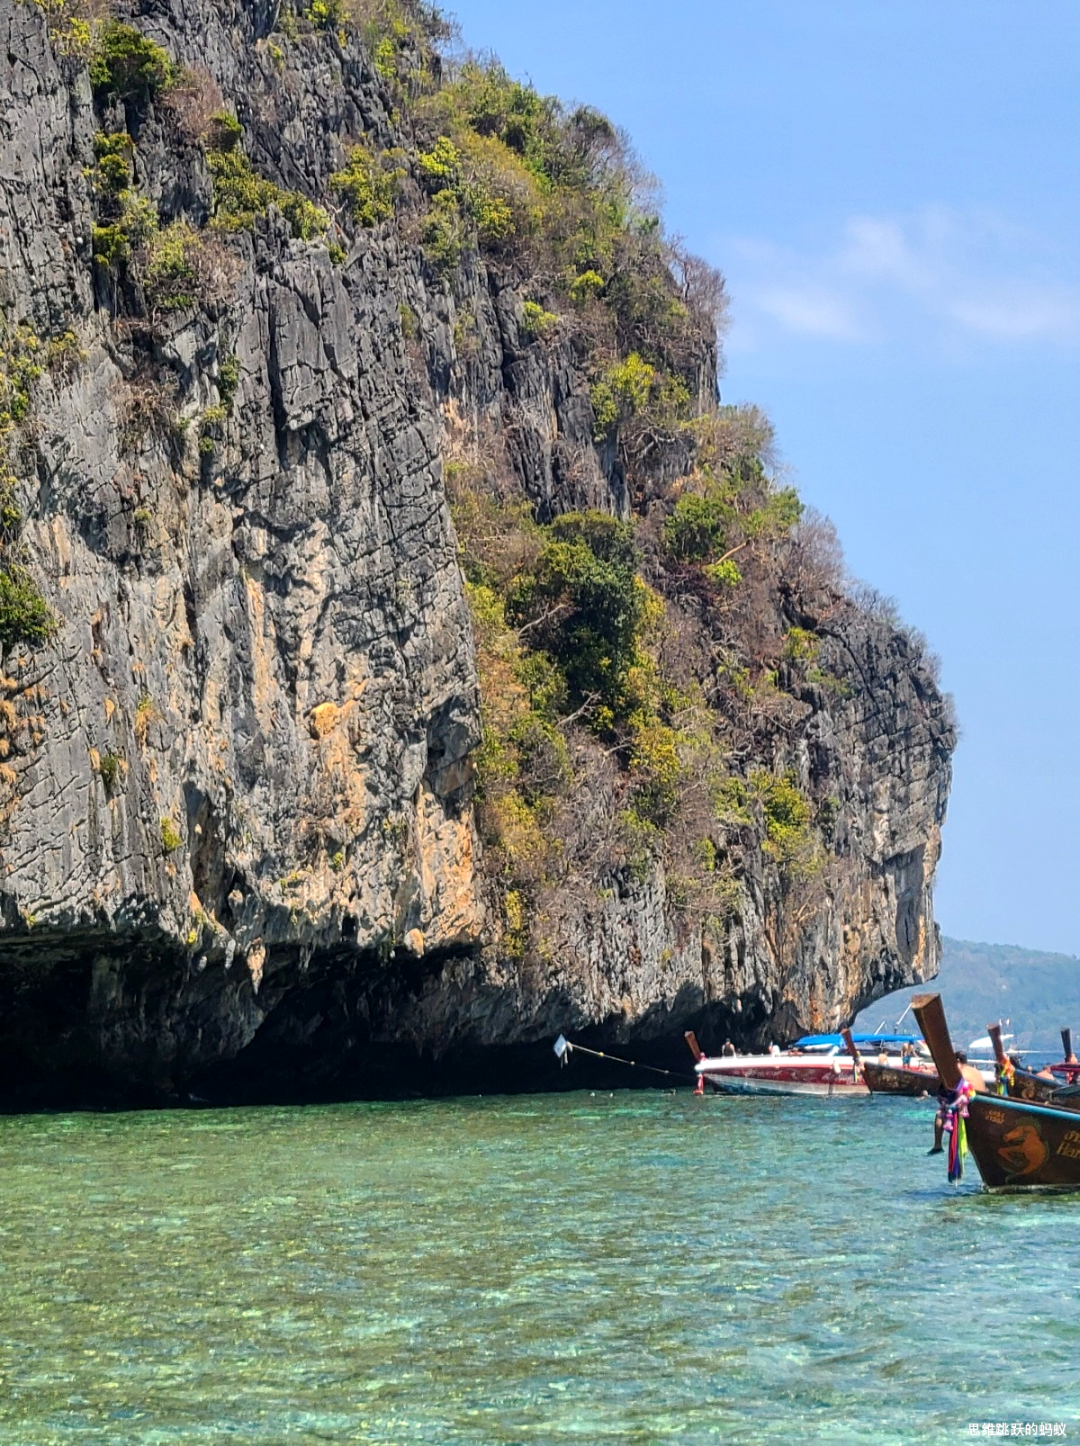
column 1037, row 993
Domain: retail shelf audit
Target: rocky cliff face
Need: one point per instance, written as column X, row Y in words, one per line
column 239, row 851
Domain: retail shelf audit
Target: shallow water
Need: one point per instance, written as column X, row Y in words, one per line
column 631, row 1268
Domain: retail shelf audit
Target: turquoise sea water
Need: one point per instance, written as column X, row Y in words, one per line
column 630, row 1268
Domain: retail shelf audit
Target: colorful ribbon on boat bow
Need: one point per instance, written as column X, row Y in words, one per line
column 954, row 1111
column 1006, row 1073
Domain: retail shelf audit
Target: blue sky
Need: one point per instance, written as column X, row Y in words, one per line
column 891, row 191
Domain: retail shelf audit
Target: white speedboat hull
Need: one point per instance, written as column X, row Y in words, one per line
column 783, row 1074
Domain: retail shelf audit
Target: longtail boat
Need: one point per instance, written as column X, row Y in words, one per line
column 1070, row 1065
column 1016, row 1144
column 912, row 1080
column 1021, row 1084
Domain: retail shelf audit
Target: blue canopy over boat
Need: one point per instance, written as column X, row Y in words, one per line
column 825, row 1041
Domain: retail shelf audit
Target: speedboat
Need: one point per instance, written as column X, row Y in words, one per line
column 813, row 1065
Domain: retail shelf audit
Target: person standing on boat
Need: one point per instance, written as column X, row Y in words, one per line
column 945, row 1098
column 970, row 1073
column 728, row 1049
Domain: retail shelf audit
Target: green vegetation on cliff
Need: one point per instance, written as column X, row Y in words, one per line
column 619, row 657
column 556, row 200
column 25, row 616
column 592, row 678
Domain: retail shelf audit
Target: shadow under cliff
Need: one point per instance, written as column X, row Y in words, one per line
column 104, row 1024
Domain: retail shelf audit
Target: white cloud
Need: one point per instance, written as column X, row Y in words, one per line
column 968, row 275
column 1021, row 314
column 812, row 312
column 876, row 249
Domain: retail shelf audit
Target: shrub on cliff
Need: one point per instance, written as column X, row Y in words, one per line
column 583, row 603
column 75, row 25
column 21, row 367
column 443, row 232
column 695, row 530
column 522, row 763
column 125, row 220
column 775, row 807
column 181, row 267
column 621, row 391
column 586, row 287
column 25, row 616
column 128, row 65
column 171, row 277
column 483, row 99
column 535, row 320
column 558, row 195
column 367, row 184
column 111, row 175
column 242, row 196
column 484, row 185
column 729, row 506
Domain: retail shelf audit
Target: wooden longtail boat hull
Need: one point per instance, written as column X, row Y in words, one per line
column 886, row 1079
column 1027, row 1086
column 891, row 1079
column 1016, row 1144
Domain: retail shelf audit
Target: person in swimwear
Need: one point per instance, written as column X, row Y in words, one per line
column 970, row 1073
column 974, row 1079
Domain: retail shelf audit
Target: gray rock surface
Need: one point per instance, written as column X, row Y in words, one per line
column 274, row 888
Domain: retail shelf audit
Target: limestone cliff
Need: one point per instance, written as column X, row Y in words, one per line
column 239, row 851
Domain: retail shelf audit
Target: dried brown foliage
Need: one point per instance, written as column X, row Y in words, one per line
column 217, row 269
column 146, row 408
column 814, row 564
column 702, row 287
column 193, row 100
column 722, row 438
column 496, row 533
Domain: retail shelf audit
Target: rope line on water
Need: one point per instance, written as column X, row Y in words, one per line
column 635, row 1064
